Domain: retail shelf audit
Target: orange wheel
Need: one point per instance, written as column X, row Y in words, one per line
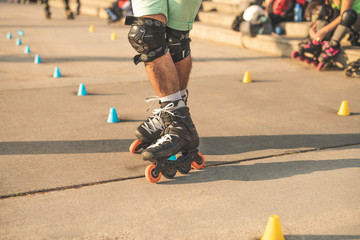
column 134, row 145
column 196, row 165
column 149, row 174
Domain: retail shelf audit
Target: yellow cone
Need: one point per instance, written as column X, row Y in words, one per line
column 344, row 109
column 273, row 229
column 91, row 29
column 113, row 36
column 246, row 78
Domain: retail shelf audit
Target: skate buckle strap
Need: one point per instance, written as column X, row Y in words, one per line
column 165, row 138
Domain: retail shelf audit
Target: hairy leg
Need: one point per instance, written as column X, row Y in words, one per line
column 162, row 71
column 183, row 69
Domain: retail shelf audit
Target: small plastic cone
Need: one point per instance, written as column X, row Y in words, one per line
column 113, row 36
column 273, row 229
column 246, row 78
column 113, row 118
column 172, row 158
column 82, row 90
column 9, row 35
column 91, row 29
column 21, row 33
column 37, row 59
column 57, row 73
column 27, row 49
column 18, row 42
column 344, row 109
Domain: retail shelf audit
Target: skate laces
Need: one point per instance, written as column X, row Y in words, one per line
column 153, row 123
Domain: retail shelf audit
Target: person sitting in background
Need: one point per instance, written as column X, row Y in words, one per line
column 118, row 10
column 329, row 32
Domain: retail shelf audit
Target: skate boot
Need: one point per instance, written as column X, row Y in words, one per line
column 328, row 55
column 69, row 14
column 150, row 130
column 309, row 51
column 179, row 135
column 353, row 69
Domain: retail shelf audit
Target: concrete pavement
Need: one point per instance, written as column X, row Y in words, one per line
column 275, row 146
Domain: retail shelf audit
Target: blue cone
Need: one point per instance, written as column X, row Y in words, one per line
column 37, row 59
column 172, row 158
column 18, row 42
column 113, row 118
column 27, row 49
column 82, row 90
column 9, row 35
column 57, row 73
column 21, row 33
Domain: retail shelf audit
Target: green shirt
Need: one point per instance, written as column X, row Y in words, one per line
column 355, row 6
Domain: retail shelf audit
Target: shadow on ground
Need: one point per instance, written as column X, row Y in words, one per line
column 20, row 58
column 208, row 145
column 321, row 237
column 264, row 171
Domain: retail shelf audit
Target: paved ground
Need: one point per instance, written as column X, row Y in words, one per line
column 275, row 146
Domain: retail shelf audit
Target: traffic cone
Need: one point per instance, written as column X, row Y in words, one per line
column 21, row 33
column 113, row 36
column 37, row 59
column 9, row 35
column 344, row 109
column 113, row 118
column 18, row 42
column 273, row 229
column 246, row 78
column 27, row 49
column 82, row 90
column 57, row 73
column 91, row 29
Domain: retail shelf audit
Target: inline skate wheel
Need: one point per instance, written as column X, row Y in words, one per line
column 315, row 63
column 308, row 61
column 301, row 58
column 199, row 163
column 294, row 54
column 319, row 66
column 150, row 174
column 185, row 168
column 134, row 147
column 169, row 173
column 348, row 73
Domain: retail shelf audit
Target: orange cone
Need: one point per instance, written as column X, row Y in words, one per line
column 273, row 229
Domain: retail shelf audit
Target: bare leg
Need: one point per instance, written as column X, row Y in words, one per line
column 162, row 71
column 183, row 69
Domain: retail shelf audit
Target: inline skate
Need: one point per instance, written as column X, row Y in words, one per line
column 150, row 130
column 179, row 135
column 309, row 51
column 353, row 69
column 328, row 55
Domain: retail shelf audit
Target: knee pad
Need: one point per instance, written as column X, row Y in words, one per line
column 348, row 18
column 179, row 44
column 148, row 37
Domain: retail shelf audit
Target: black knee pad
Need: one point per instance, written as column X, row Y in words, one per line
column 348, row 18
column 178, row 43
column 148, row 37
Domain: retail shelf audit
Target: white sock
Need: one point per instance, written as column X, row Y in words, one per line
column 183, row 92
column 172, row 97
